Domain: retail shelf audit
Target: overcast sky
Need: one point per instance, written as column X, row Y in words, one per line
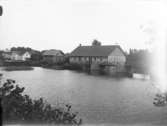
column 64, row 24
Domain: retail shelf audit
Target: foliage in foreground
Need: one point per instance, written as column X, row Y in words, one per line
column 19, row 108
column 160, row 100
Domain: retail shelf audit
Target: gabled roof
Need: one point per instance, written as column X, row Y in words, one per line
column 19, row 52
column 7, row 53
column 95, row 50
column 52, row 52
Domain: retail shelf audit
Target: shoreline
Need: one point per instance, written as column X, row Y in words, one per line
column 17, row 68
column 71, row 67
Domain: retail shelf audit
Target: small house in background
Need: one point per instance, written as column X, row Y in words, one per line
column 6, row 55
column 53, row 56
column 17, row 56
column 20, row 56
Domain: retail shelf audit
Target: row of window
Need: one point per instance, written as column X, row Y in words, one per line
column 88, row 58
column 117, row 58
column 111, row 59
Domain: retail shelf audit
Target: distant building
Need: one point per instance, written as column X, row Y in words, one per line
column 17, row 56
column 6, row 55
column 53, row 56
column 108, row 54
column 26, row 56
column 20, row 56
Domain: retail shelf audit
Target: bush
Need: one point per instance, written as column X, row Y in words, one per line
column 160, row 100
column 19, row 108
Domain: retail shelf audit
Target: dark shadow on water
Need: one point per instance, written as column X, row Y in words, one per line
column 96, row 73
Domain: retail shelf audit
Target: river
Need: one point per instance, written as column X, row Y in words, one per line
column 99, row 99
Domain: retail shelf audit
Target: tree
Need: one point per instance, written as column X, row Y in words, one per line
column 21, row 49
column 21, row 108
column 139, row 60
column 96, row 43
column 160, row 100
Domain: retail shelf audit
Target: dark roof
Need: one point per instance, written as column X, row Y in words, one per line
column 19, row 52
column 94, row 50
column 16, row 52
column 9, row 53
column 52, row 52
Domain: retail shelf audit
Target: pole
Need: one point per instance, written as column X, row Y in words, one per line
column 1, row 10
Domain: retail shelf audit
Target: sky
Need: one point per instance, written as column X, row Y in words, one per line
column 64, row 24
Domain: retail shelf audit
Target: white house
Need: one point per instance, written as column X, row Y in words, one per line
column 20, row 56
column 26, row 56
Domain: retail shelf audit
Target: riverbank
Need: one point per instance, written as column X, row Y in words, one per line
column 72, row 67
column 28, row 65
column 141, row 76
column 57, row 67
column 65, row 66
column 17, row 68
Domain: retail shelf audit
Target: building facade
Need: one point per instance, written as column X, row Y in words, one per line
column 20, row 56
column 16, row 56
column 53, row 56
column 98, row 54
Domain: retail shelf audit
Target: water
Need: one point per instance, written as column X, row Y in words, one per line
column 98, row 99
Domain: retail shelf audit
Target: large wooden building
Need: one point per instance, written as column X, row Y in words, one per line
column 107, row 54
